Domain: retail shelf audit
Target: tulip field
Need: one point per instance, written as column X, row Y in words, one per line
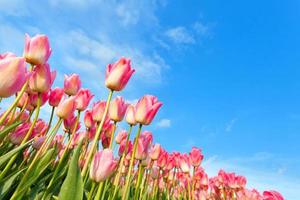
column 79, row 152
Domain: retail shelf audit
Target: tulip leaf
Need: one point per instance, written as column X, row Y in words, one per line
column 9, row 154
column 8, row 129
column 7, row 184
column 72, row 188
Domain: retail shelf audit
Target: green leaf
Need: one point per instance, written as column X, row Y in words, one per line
column 7, row 184
column 8, row 155
column 7, row 130
column 72, row 188
column 37, row 171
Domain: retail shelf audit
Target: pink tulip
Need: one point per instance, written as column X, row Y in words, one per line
column 130, row 115
column 38, row 142
column 18, row 135
column 37, row 49
column 98, row 110
column 123, row 146
column 65, row 108
column 117, row 109
column 103, row 165
column 69, row 124
column 155, row 151
column 196, row 157
column 40, row 127
column 24, row 100
column 88, row 119
column 41, row 78
column 272, row 195
column 34, row 98
column 105, row 141
column 146, row 108
column 184, row 163
column 91, row 133
column 82, row 99
column 77, row 138
column 122, row 135
column 13, row 75
column 55, row 96
column 118, row 74
column 72, row 84
column 162, row 158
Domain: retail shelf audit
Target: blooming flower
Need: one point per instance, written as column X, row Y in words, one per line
column 72, row 84
column 103, row 165
column 118, row 74
column 82, row 99
column 13, row 75
column 37, row 49
column 146, row 108
column 117, row 109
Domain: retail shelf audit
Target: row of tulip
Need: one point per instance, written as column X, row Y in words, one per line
column 94, row 161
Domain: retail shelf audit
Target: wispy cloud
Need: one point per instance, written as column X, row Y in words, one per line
column 180, row 35
column 164, row 123
column 230, row 124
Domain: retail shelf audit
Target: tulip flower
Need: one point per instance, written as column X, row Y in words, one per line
column 55, row 96
column 122, row 135
column 38, row 142
column 17, row 136
column 196, row 157
column 13, row 75
column 82, row 99
column 34, row 98
column 41, row 78
column 123, row 146
column 103, row 165
column 23, row 101
column 37, row 49
column 118, row 74
column 88, row 119
column 69, row 124
column 98, row 110
column 130, row 115
column 65, row 108
column 184, row 163
column 117, row 109
column 155, row 151
column 72, row 84
column 146, row 108
column 272, row 195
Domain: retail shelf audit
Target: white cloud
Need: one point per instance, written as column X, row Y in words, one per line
column 180, row 35
column 164, row 123
column 230, row 124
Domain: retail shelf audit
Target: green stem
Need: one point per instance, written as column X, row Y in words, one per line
column 99, row 191
column 39, row 153
column 92, row 191
column 14, row 104
column 189, row 187
column 97, row 135
column 59, row 165
column 126, row 189
column 12, row 160
column 51, row 118
column 139, row 179
column 118, row 176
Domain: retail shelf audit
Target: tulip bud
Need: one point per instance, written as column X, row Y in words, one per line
column 82, row 99
column 118, row 74
column 98, row 110
column 65, row 108
column 55, row 96
column 272, row 195
column 72, row 84
column 184, row 163
column 41, row 78
column 122, row 135
column 37, row 49
column 13, row 75
column 146, row 108
column 117, row 109
column 88, row 119
column 155, row 151
column 130, row 118
column 103, row 165
column 196, row 157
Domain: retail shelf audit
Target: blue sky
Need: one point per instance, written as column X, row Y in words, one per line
column 226, row 71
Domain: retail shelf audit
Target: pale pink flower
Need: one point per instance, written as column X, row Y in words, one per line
column 82, row 99
column 146, row 108
column 117, row 109
column 72, row 84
